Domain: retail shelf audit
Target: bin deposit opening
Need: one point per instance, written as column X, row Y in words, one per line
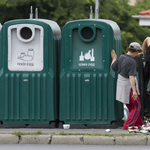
column 87, row 33
column 26, row 33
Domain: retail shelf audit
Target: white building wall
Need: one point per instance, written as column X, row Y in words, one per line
column 133, row 2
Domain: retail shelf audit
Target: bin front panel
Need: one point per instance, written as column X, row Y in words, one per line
column 87, row 83
column 26, row 99
column 25, row 47
column 88, row 98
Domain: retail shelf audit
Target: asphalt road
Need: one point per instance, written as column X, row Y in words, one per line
column 70, row 147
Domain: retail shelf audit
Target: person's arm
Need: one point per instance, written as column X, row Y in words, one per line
column 132, row 82
column 146, row 44
column 113, row 56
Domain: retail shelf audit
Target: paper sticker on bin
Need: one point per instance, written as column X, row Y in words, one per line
column 87, row 83
column 28, row 66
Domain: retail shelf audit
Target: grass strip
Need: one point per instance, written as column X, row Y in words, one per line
column 19, row 133
column 93, row 134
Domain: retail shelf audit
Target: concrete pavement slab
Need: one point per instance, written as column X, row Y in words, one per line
column 148, row 139
column 8, row 139
column 99, row 140
column 35, row 139
column 69, row 139
column 131, row 140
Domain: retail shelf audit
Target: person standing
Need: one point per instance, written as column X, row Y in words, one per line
column 146, row 75
column 127, row 88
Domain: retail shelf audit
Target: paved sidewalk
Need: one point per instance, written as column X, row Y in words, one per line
column 56, row 130
column 116, row 137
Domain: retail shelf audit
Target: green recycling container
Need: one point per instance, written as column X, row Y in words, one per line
column 28, row 71
column 87, row 91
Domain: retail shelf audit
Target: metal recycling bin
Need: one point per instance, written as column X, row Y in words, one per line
column 28, row 66
column 87, row 93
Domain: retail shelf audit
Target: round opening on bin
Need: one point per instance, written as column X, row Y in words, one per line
column 87, row 33
column 26, row 33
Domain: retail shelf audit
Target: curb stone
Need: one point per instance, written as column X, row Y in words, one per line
column 99, row 140
column 131, row 140
column 8, row 139
column 69, row 139
column 75, row 139
column 35, row 139
column 148, row 140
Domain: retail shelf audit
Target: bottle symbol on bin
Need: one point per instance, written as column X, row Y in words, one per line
column 87, row 56
column 27, row 57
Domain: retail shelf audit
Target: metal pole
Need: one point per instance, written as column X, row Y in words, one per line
column 36, row 13
column 31, row 13
column 96, row 9
column 91, row 14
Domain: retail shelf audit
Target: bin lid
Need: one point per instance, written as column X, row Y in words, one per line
column 114, row 26
column 54, row 26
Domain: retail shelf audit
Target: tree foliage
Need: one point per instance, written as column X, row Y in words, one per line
column 120, row 12
column 60, row 11
column 63, row 11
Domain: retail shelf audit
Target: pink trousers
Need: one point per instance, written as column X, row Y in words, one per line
column 134, row 108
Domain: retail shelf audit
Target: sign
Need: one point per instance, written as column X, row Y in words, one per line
column 87, row 55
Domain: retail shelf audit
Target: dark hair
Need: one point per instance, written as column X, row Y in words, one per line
column 132, row 50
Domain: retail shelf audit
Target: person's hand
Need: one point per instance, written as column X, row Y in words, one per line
column 113, row 55
column 139, row 54
column 134, row 95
